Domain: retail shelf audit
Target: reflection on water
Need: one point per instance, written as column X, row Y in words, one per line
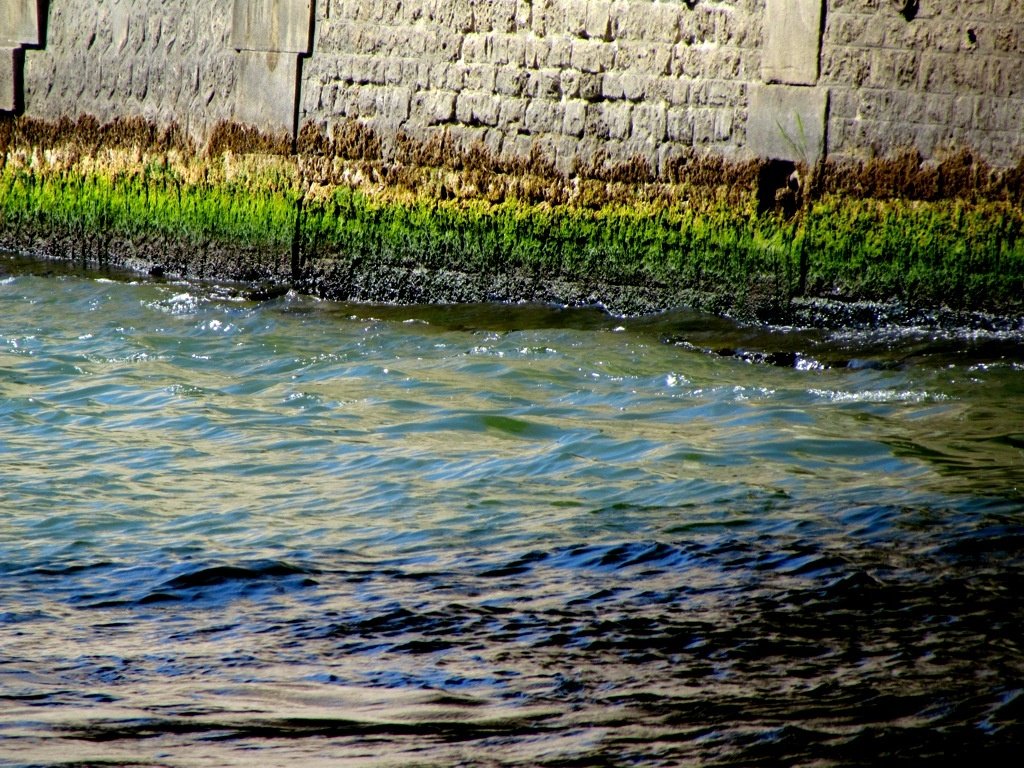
column 298, row 532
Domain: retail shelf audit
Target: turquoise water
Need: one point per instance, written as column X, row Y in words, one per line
column 303, row 532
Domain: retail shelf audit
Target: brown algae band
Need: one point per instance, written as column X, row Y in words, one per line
column 343, row 218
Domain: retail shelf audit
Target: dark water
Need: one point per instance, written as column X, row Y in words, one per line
column 303, row 533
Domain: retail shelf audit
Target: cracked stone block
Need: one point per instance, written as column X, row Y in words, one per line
column 271, row 25
column 786, row 122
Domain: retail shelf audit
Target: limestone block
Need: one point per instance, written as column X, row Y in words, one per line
column 657, row 22
column 477, row 109
column 543, row 116
column 498, row 15
column 8, row 79
column 515, row 145
column 561, row 53
column 988, row 114
column 512, row 113
column 634, row 85
column 653, row 58
column 597, row 23
column 509, row 81
column 393, row 105
column 535, row 52
column 1004, row 77
column 649, row 122
column 575, row 19
column 271, row 25
column 575, row 118
column 480, row 77
column 524, row 15
column 569, row 83
column 849, row 67
column 679, row 125
column 792, row 42
column 611, row 86
column 267, row 89
column 436, row 107
column 673, row 91
column 590, row 86
column 447, row 77
column 477, row 48
column 727, row 64
column 591, row 56
column 742, row 30
column 511, row 49
column 703, row 126
column 843, row 102
column 567, row 155
column 543, row 18
column 544, row 84
column 725, row 121
column 787, row 122
column 19, row 23
column 618, row 117
column 723, row 93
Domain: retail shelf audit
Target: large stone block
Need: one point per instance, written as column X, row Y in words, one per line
column 8, row 79
column 792, row 41
column 590, row 56
column 649, row 122
column 19, row 23
column 575, row 119
column 477, row 109
column 597, row 23
column 267, row 89
column 271, row 25
column 435, row 107
column 787, row 122
column 679, row 125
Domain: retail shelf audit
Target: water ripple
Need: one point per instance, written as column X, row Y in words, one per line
column 308, row 533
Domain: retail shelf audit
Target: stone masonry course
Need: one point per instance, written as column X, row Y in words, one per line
column 793, row 80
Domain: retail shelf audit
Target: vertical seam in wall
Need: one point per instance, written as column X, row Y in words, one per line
column 817, row 83
column 297, row 257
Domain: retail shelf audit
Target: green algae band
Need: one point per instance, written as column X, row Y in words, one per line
column 922, row 254
column 377, row 243
column 137, row 206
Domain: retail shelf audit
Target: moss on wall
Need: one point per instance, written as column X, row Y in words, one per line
column 342, row 220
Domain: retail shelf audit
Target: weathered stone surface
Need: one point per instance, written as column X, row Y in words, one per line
column 165, row 60
column 19, row 23
column 271, row 25
column 266, row 90
column 606, row 75
column 8, row 79
column 791, row 42
column 787, row 122
column 435, row 107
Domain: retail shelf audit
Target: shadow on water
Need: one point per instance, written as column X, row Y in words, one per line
column 722, row 650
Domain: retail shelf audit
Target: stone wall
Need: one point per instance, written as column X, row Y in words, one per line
column 951, row 73
column 569, row 76
column 575, row 79
column 165, row 60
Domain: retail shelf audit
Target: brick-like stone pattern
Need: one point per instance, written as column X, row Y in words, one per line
column 951, row 76
column 577, row 79
column 573, row 77
column 165, row 60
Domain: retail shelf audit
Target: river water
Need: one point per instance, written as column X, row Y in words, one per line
column 296, row 532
